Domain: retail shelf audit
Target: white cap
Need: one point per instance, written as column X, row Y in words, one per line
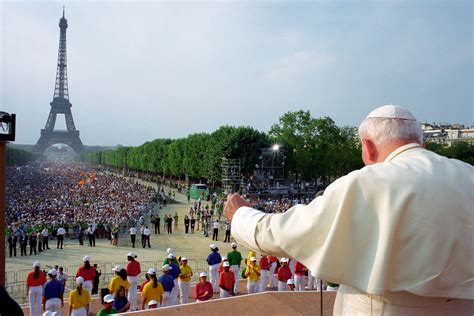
column 202, row 274
column 152, row 302
column 290, row 281
column 391, row 112
column 284, row 260
column 80, row 280
column 233, row 244
column 166, row 267
column 36, row 264
column 50, row 313
column 86, row 258
column 169, row 250
column 131, row 254
column 117, row 268
column 52, row 272
column 253, row 259
column 224, row 258
column 213, row 246
column 171, row 255
column 184, row 259
column 226, row 264
column 109, row 298
column 151, row 271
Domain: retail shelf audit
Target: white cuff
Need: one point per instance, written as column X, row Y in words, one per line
column 243, row 226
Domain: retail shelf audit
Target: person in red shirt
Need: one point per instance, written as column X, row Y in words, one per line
column 203, row 290
column 133, row 271
column 273, row 261
column 87, row 272
column 264, row 270
column 221, row 267
column 147, row 279
column 34, row 288
column 284, row 273
column 300, row 276
column 226, row 281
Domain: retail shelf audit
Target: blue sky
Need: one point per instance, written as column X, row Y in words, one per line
column 144, row 70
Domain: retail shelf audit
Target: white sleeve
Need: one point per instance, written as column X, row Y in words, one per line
column 244, row 224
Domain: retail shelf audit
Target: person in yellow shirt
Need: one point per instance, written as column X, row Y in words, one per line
column 79, row 300
column 252, row 272
column 120, row 279
column 153, row 290
column 184, row 280
column 250, row 255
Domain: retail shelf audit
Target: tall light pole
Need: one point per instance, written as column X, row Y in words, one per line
column 7, row 125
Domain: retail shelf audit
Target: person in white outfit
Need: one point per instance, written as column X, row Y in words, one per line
column 34, row 288
column 184, row 281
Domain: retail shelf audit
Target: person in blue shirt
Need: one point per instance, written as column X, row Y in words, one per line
column 175, row 271
column 214, row 260
column 167, row 281
column 53, row 293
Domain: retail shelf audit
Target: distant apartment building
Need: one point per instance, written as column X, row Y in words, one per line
column 447, row 134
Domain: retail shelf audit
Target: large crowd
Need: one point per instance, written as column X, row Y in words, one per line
column 67, row 200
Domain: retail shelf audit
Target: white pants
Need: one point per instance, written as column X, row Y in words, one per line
column 174, row 293
column 263, row 280
column 88, row 286
column 223, row 293
column 313, row 283
column 252, row 286
column 35, row 294
column 184, row 291
column 53, row 305
column 271, row 273
column 235, row 269
column 167, row 299
column 282, row 286
column 299, row 282
column 132, row 292
column 214, row 276
column 79, row 312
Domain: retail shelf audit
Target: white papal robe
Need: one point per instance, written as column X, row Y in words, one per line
column 402, row 226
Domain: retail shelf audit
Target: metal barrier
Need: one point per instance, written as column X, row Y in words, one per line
column 16, row 280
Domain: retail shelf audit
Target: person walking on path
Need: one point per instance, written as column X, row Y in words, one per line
column 133, row 235
column 193, row 224
column 186, row 224
column 156, row 222
column 215, row 233
column 60, row 235
column 45, row 234
column 133, row 272
column 146, row 233
column 227, row 232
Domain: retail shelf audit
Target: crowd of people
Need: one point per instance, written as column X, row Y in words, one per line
column 55, row 200
column 132, row 289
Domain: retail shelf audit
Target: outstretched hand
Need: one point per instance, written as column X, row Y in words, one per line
column 233, row 203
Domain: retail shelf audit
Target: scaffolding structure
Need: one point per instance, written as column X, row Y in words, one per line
column 272, row 164
column 231, row 177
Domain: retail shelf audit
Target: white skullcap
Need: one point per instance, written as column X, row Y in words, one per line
column 233, row 244
column 253, row 259
column 166, row 267
column 80, row 280
column 171, row 255
column 226, row 264
column 151, row 271
column 109, row 298
column 224, row 258
column 184, row 259
column 169, row 250
column 213, row 246
column 284, row 260
column 53, row 272
column 202, row 274
column 392, row 112
column 152, row 302
column 86, row 258
column 117, row 268
column 36, row 264
column 290, row 281
column 131, row 254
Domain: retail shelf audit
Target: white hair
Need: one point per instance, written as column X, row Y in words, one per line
column 381, row 130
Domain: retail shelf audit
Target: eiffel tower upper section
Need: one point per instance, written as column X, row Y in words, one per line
column 60, row 103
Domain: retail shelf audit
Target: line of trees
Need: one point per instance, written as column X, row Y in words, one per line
column 20, row 157
column 315, row 148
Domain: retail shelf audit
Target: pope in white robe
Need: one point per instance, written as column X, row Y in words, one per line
column 398, row 234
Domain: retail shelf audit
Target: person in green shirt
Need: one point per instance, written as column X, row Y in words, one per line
column 108, row 306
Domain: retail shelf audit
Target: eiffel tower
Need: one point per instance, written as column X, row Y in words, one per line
column 60, row 105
